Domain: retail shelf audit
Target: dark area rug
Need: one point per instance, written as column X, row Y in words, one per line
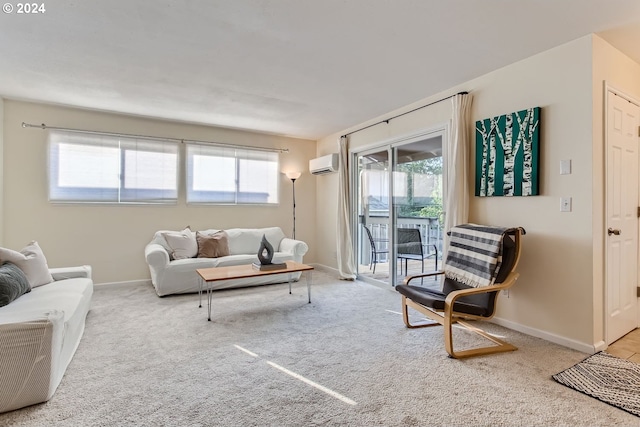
column 607, row 378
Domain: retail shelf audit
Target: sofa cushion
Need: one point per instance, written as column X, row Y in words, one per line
column 230, row 260
column 75, row 285
column 13, row 283
column 158, row 238
column 244, row 241
column 183, row 243
column 63, row 296
column 31, row 261
column 237, row 260
column 212, row 245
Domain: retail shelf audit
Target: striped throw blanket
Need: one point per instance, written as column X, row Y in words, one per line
column 475, row 254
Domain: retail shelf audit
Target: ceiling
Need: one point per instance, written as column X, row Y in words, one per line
column 302, row 68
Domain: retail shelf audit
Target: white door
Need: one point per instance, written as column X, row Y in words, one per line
column 623, row 119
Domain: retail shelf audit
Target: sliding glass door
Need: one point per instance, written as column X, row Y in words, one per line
column 400, row 209
column 373, row 214
column 418, row 189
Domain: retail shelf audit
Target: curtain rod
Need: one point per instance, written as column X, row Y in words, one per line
column 128, row 135
column 402, row 114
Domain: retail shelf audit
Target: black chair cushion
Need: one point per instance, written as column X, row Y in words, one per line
column 470, row 304
column 479, row 304
column 508, row 258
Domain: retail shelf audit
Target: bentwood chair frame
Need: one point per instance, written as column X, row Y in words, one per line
column 452, row 311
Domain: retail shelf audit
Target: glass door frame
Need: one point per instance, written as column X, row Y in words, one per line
column 390, row 146
column 355, row 211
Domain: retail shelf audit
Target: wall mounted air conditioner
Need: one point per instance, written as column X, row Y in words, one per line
column 324, row 164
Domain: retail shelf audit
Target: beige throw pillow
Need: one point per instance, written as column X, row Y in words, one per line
column 183, row 243
column 31, row 261
column 212, row 245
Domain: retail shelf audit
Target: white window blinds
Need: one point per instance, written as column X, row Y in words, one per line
column 231, row 175
column 88, row 167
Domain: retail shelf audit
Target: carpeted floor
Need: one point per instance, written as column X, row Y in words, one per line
column 149, row 361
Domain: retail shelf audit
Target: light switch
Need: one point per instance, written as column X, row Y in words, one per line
column 565, row 167
column 565, row 204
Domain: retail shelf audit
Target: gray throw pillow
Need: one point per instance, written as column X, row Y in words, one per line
column 13, row 283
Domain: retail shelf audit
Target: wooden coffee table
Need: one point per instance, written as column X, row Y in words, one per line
column 208, row 276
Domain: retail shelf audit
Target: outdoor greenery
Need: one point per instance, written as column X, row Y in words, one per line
column 434, row 209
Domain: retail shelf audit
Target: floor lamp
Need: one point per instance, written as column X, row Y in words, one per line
column 293, row 176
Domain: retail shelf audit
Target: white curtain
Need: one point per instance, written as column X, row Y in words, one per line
column 457, row 158
column 346, row 260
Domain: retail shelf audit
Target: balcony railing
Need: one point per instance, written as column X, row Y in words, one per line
column 430, row 233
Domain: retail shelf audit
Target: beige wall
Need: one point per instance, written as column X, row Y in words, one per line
column 555, row 296
column 436, row 117
column 554, row 293
column 112, row 238
column 623, row 74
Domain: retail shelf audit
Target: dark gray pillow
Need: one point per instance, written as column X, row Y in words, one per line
column 13, row 283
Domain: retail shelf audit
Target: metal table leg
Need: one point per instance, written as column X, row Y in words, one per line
column 200, row 291
column 209, row 298
column 309, row 280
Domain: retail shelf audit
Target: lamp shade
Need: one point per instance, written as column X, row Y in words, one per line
column 293, row 175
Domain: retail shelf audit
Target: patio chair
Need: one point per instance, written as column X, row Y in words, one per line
column 468, row 293
column 410, row 247
column 373, row 259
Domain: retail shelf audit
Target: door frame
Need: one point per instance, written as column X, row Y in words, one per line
column 354, row 180
column 605, row 297
column 442, row 129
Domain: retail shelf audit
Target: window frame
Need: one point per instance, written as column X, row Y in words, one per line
column 114, row 196
column 197, row 197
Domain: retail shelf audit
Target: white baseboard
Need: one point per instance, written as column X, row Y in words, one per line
column 144, row 282
column 141, row 282
column 548, row 336
column 329, row 270
column 600, row 346
column 325, row 268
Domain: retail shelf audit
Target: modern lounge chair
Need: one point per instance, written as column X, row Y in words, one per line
column 375, row 250
column 473, row 279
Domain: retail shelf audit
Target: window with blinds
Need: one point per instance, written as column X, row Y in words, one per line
column 231, row 175
column 94, row 168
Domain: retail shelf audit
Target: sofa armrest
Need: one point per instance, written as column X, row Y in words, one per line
column 62, row 273
column 30, row 343
column 296, row 247
column 157, row 257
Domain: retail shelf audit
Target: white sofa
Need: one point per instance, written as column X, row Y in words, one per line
column 179, row 276
column 39, row 334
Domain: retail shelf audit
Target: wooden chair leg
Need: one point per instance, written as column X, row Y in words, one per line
column 501, row 346
column 447, row 321
column 405, row 315
column 448, row 334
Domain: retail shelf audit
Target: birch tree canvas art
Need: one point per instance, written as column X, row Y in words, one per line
column 507, row 154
